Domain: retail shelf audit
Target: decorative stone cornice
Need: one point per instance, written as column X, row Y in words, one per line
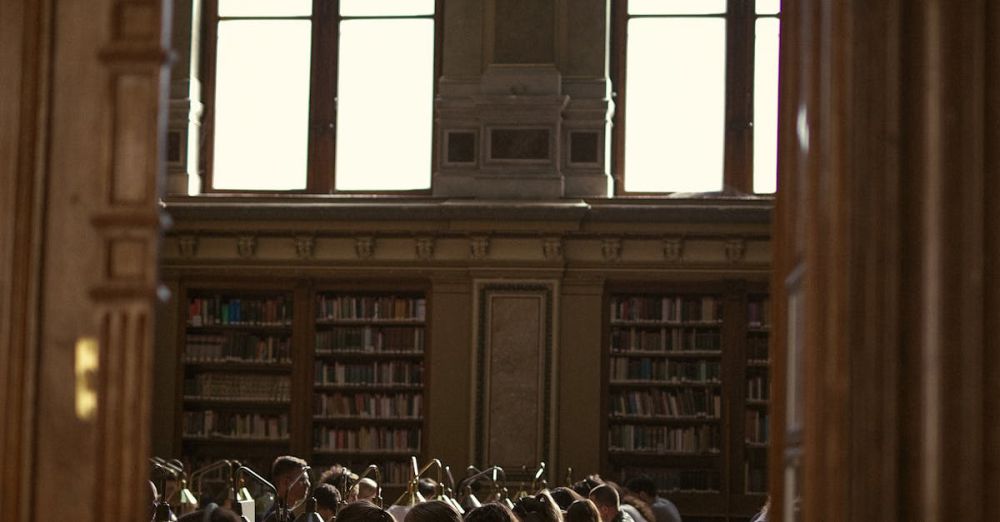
column 479, row 247
column 425, row 248
column 364, row 247
column 187, row 246
column 305, row 247
column 611, row 249
column 735, row 250
column 673, row 249
column 552, row 248
column 246, row 246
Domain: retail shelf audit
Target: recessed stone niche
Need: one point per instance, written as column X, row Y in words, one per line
column 519, row 145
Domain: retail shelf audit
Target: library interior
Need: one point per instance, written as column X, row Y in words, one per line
column 499, row 260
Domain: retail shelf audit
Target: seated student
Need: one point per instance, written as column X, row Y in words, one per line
column 645, row 488
column 608, row 505
column 565, row 497
column 428, row 488
column 633, row 505
column 214, row 512
column 364, row 489
column 327, row 500
column 432, row 511
column 539, row 508
column 492, row 512
column 582, row 510
column 585, row 485
column 289, row 476
column 364, row 511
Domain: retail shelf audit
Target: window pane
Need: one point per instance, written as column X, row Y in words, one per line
column 261, row 105
column 675, row 104
column 768, row 7
column 386, row 7
column 765, row 106
column 669, row 7
column 265, row 7
column 385, row 102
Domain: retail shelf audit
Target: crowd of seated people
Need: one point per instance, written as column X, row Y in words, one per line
column 345, row 497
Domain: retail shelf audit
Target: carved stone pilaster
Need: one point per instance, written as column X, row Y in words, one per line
column 479, row 247
column 305, row 247
column 425, row 248
column 364, row 247
column 246, row 246
column 735, row 250
column 611, row 249
column 187, row 246
column 673, row 250
column 552, row 248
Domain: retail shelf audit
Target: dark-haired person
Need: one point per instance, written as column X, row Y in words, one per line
column 608, row 504
column 327, row 499
column 585, row 485
column 289, row 476
column 538, row 508
column 633, row 505
column 432, row 511
column 565, row 496
column 490, row 513
column 214, row 514
column 645, row 488
column 428, row 488
column 582, row 510
column 364, row 511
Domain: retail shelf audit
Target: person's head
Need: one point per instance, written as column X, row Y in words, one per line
column 215, row 514
column 364, row 511
column 327, row 498
column 606, row 499
column 539, row 508
column 432, row 511
column 334, row 476
column 565, row 496
column 582, row 510
column 584, row 486
column 492, row 512
column 427, row 488
column 290, row 478
column 643, row 487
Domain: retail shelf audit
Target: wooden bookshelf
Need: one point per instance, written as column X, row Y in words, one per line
column 236, row 369
column 682, row 360
column 368, row 379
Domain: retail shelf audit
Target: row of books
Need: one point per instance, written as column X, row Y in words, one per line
column 757, row 388
column 756, row 478
column 677, row 480
column 379, row 372
column 756, row 427
column 368, row 405
column 659, row 439
column 370, row 339
column 686, row 402
column 235, row 425
column 759, row 313
column 650, row 369
column 237, row 347
column 673, row 339
column 366, row 439
column 219, row 310
column 757, row 348
column 354, row 307
column 245, row 387
column 704, row 309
